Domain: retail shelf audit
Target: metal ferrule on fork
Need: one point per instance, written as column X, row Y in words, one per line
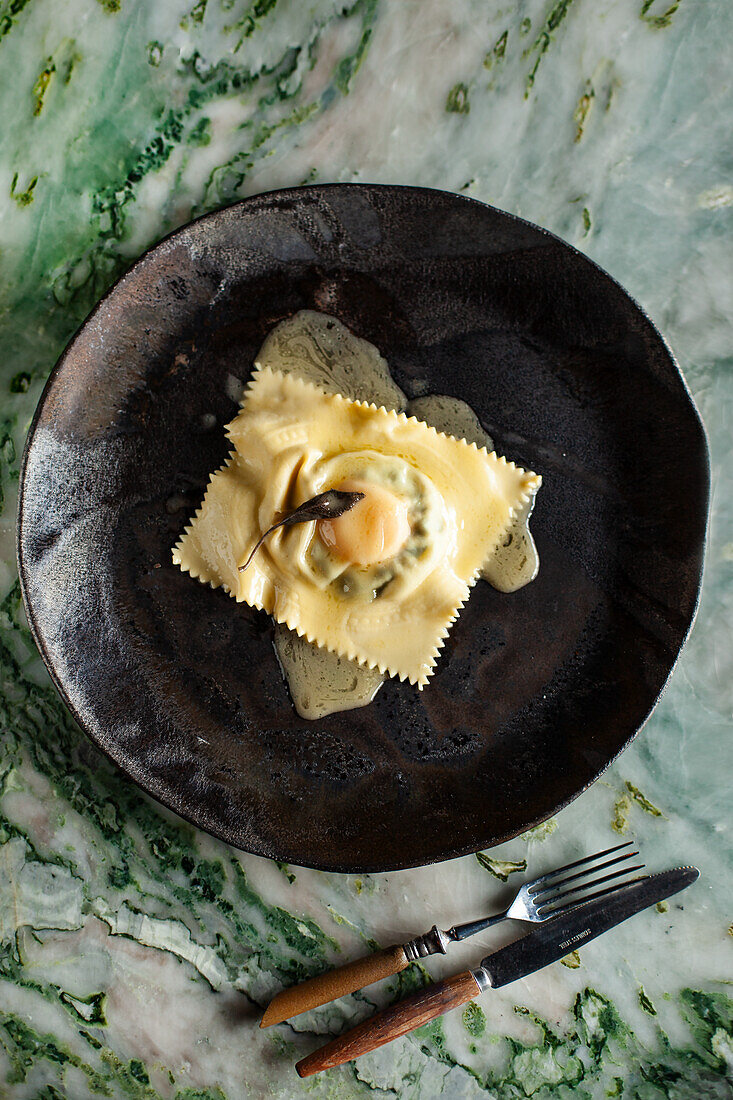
column 433, row 942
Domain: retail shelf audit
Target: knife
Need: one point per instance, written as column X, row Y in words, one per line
column 545, row 944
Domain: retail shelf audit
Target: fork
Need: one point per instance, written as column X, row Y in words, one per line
column 543, row 898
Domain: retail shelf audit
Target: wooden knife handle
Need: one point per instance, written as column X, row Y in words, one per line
column 333, row 984
column 385, row 1026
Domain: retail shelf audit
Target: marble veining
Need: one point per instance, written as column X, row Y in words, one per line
column 137, row 953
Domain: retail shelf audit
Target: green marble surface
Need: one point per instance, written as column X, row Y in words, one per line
column 136, row 953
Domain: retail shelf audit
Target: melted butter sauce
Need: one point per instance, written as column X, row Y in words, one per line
column 321, row 350
column 321, row 682
column 516, row 562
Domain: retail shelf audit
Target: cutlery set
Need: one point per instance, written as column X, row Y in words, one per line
column 565, row 908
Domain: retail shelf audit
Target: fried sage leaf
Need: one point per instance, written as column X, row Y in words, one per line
column 327, row 505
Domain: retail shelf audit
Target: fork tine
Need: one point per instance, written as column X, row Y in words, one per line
column 583, row 874
column 562, row 909
column 550, row 902
column 580, row 862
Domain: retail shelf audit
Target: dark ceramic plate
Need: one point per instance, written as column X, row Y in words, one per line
column 536, row 692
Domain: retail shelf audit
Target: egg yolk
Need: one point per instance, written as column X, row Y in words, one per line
column 376, row 528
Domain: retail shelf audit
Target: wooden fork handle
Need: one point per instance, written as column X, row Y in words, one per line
column 333, row 984
column 397, row 1020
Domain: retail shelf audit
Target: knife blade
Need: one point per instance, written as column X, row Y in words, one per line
column 545, row 944
column 550, row 941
